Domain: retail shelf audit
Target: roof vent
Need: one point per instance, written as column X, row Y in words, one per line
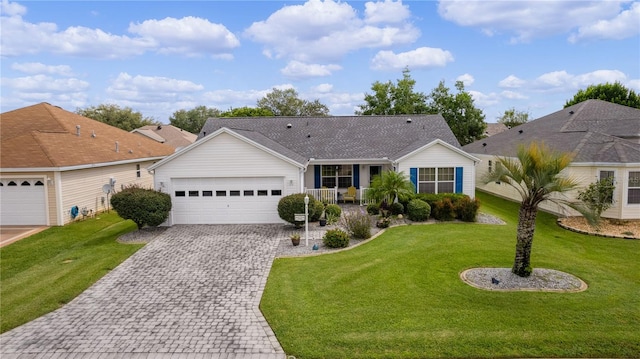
column 289, row 125
column 408, row 120
column 159, row 127
column 571, row 112
column 308, row 135
column 93, row 134
column 78, row 130
column 484, row 144
column 117, row 147
column 520, row 131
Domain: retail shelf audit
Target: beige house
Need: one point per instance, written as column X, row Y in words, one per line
column 167, row 134
column 604, row 138
column 56, row 165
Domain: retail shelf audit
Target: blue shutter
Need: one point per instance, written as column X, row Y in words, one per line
column 458, row 179
column 413, row 176
column 356, row 176
column 316, row 176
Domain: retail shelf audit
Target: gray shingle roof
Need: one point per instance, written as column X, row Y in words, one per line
column 594, row 130
column 339, row 137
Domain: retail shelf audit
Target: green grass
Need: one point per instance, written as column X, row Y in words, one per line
column 40, row 273
column 400, row 295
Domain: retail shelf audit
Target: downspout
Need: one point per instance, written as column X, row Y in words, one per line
column 57, row 177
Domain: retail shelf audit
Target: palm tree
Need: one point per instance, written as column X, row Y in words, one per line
column 536, row 175
column 389, row 185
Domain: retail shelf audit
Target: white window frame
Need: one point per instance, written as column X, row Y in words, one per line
column 436, row 179
column 632, row 186
column 336, row 172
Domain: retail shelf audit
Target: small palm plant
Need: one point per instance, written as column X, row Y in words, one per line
column 536, row 174
column 389, row 185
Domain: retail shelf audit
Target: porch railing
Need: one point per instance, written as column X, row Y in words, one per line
column 325, row 195
column 362, row 195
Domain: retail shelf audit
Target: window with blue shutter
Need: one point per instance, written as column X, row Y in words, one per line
column 458, row 179
column 413, row 176
column 316, row 176
column 356, row 176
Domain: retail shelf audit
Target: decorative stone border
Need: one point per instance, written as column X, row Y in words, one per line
column 576, row 230
column 541, row 280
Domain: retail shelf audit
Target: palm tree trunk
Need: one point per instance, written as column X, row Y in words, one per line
column 526, row 226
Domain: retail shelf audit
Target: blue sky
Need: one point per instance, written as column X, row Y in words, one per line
column 158, row 57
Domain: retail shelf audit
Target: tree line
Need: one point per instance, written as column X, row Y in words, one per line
column 466, row 121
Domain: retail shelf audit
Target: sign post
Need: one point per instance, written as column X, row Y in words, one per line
column 306, row 220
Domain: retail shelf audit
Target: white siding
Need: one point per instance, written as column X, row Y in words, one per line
column 581, row 173
column 83, row 188
column 226, row 156
column 441, row 156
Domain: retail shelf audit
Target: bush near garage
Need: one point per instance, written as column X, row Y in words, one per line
column 289, row 205
column 142, row 205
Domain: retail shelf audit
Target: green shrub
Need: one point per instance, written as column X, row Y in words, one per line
column 418, row 210
column 444, row 210
column 336, row 238
column 396, row 208
column 373, row 209
column 331, row 218
column 432, row 198
column 289, row 205
column 142, row 206
column 315, row 210
column 358, row 224
column 333, row 209
column 467, row 209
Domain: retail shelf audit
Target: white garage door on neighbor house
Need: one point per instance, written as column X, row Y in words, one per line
column 22, row 202
column 226, row 200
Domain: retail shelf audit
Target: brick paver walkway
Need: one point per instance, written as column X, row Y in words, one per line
column 193, row 292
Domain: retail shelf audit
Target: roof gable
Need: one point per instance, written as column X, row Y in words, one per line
column 341, row 137
column 593, row 130
column 167, row 134
column 45, row 136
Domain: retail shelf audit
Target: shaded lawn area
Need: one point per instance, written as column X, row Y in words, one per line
column 41, row 273
column 400, row 295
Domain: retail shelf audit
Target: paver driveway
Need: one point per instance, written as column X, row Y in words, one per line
column 193, row 292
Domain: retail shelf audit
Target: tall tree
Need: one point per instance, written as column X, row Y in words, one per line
column 536, row 174
column 512, row 118
column 614, row 92
column 123, row 118
column 246, row 112
column 287, row 103
column 193, row 120
column 394, row 99
column 465, row 120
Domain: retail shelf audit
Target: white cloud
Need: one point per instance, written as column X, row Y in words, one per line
column 323, row 88
column 528, row 19
column 511, row 81
column 189, row 36
column 299, row 70
column 481, row 100
column 12, row 9
column 387, row 11
column 150, row 88
column 624, row 25
column 419, row 58
column 562, row 80
column 324, row 31
column 512, row 95
column 44, row 83
column 466, row 79
column 634, row 85
column 39, row 68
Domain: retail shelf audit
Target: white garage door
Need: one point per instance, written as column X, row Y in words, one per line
column 22, row 202
column 226, row 200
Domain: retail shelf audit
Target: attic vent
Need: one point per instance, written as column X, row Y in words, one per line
column 408, row 120
column 117, row 149
column 288, row 125
column 78, row 130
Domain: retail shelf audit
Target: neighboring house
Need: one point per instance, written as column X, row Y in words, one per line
column 604, row 138
column 239, row 168
column 494, row 129
column 167, row 134
column 53, row 161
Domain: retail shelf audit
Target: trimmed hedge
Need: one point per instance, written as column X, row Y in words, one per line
column 141, row 205
column 336, row 238
column 418, row 210
column 333, row 209
column 289, row 205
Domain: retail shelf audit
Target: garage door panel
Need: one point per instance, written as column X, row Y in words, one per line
column 226, row 200
column 23, row 202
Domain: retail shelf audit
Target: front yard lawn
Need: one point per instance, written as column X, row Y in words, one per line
column 40, row 273
column 400, row 295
